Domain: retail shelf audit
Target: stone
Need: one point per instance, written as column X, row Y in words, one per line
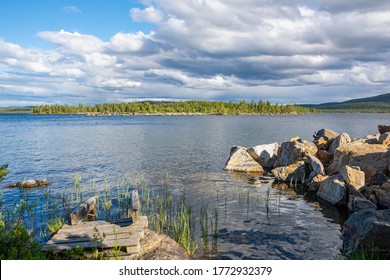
column 240, row 160
column 316, row 167
column 325, row 157
column 325, row 133
column 353, row 176
column 321, row 143
column 383, row 198
column 265, row 155
column 384, row 139
column 370, row 158
column 314, row 184
column 290, row 173
column 339, row 141
column 368, row 229
column 293, row 151
column 383, row 128
column 29, row 184
column 379, row 179
column 357, row 201
column 333, row 190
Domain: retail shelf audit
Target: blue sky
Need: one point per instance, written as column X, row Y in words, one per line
column 93, row 51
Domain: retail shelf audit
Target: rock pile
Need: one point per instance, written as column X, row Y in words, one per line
column 347, row 172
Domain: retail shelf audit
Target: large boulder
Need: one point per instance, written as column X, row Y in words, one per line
column 240, row 160
column 339, row 141
column 353, row 176
column 293, row 151
column 370, row 158
column 292, row 173
column 266, row 154
column 368, row 229
column 325, row 133
column 333, row 190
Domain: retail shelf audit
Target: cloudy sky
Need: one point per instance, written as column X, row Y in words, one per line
column 92, row 51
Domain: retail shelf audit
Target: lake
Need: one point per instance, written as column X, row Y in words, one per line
column 255, row 219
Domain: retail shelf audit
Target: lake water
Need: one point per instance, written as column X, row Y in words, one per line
column 192, row 150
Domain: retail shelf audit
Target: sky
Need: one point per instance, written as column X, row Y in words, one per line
column 96, row 51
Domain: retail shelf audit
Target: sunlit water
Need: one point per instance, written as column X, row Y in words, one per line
column 254, row 220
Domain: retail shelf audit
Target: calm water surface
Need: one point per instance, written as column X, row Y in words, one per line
column 193, row 151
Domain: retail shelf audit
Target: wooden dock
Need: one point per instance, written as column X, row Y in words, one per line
column 124, row 233
column 100, row 234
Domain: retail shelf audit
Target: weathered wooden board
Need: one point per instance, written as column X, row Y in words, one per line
column 99, row 234
column 81, row 213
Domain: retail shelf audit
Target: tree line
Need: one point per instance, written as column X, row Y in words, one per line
column 190, row 107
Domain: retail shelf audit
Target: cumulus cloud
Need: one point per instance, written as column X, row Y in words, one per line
column 283, row 51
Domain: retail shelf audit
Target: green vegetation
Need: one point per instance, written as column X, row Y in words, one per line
column 16, row 110
column 375, row 104
column 182, row 107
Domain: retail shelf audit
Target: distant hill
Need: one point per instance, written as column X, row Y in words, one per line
column 16, row 110
column 374, row 104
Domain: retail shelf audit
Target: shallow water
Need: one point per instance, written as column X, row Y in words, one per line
column 255, row 221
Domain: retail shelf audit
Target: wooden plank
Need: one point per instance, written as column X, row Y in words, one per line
column 86, row 238
column 133, row 249
column 105, row 227
column 81, row 213
column 90, row 235
column 128, row 242
column 135, row 206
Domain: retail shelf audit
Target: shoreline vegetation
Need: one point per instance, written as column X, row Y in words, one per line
column 192, row 107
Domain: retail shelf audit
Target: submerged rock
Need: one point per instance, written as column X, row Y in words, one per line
column 240, row 160
column 29, row 184
column 265, row 154
column 368, row 229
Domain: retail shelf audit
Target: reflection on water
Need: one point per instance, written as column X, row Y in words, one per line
column 257, row 220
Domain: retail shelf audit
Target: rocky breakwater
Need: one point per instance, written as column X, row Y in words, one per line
column 344, row 171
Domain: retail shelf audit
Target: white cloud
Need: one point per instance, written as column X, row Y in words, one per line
column 215, row 49
column 149, row 14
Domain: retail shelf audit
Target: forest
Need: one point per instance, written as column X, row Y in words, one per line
column 184, row 107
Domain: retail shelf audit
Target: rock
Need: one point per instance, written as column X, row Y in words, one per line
column 384, row 139
column 383, row 129
column 321, row 143
column 325, row 157
column 368, row 229
column 29, row 184
column 357, row 201
column 240, row 160
column 383, row 198
column 315, row 182
column 265, row 155
column 333, row 190
column 325, row 133
column 380, row 195
column 338, row 142
column 159, row 247
column 353, row 176
column 293, row 151
column 316, row 167
column 291, row 173
column 379, row 179
column 370, row 158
